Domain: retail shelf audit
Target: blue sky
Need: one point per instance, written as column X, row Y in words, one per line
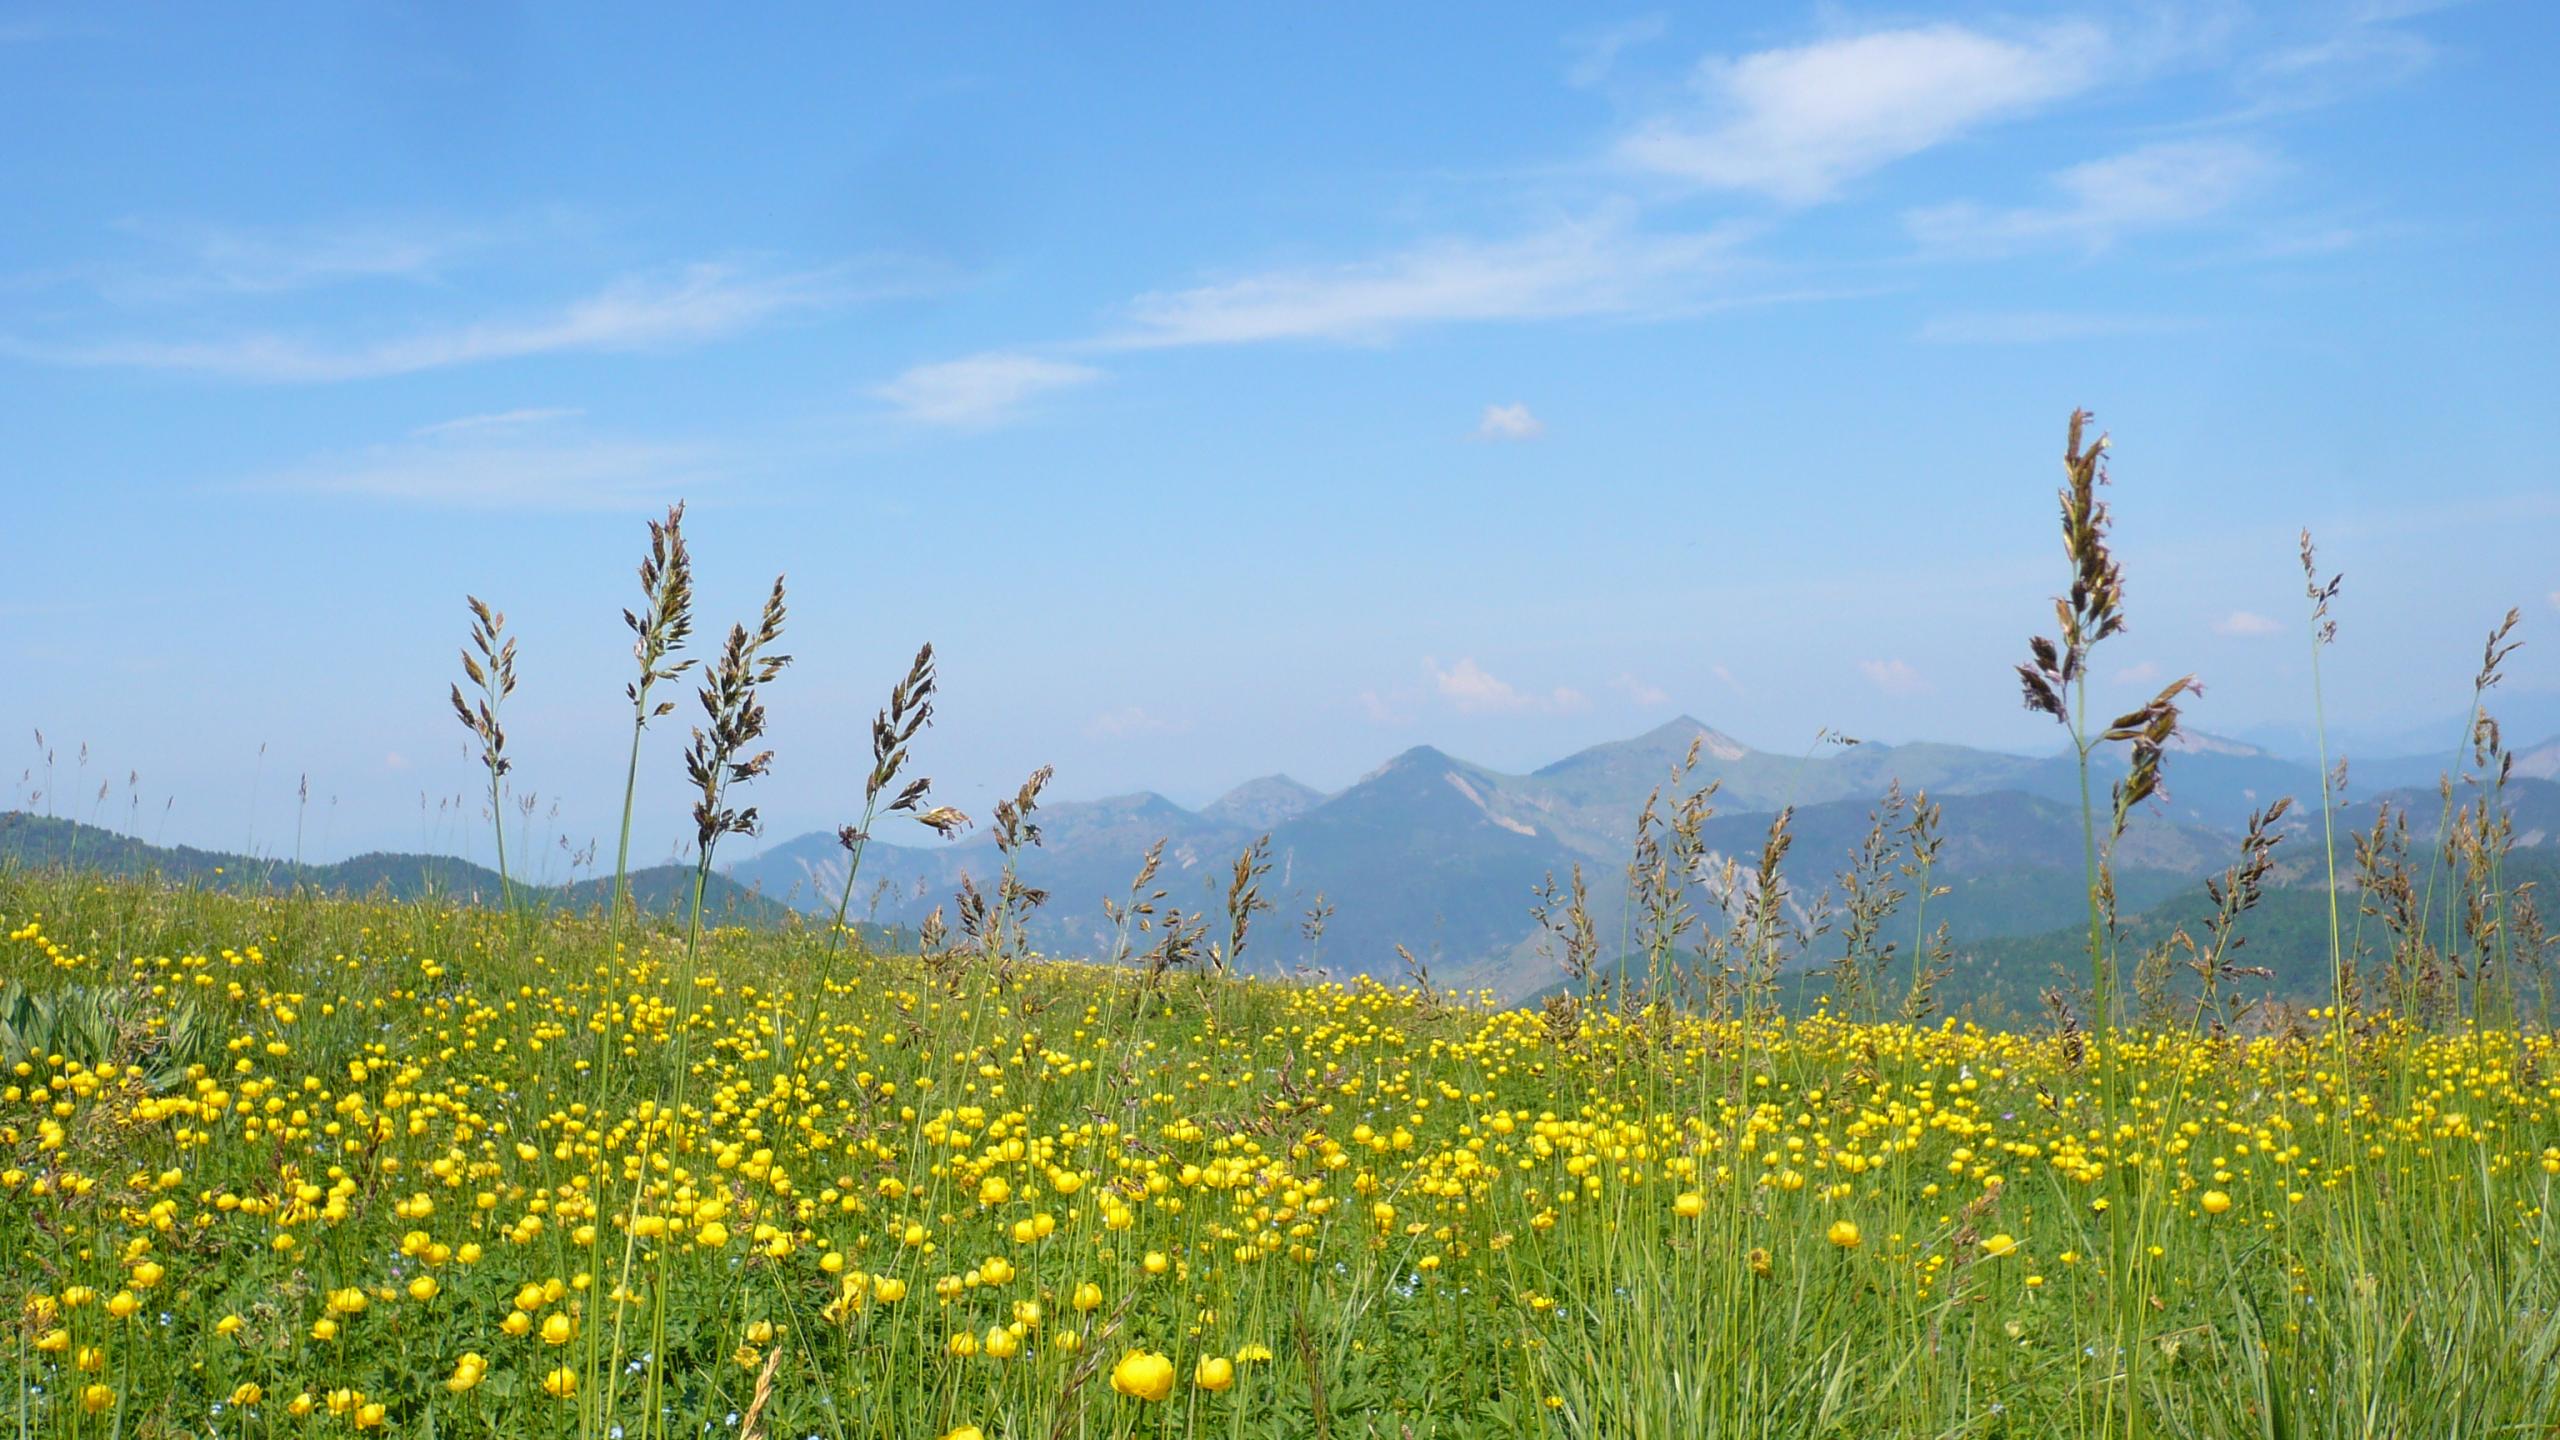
column 1226, row 390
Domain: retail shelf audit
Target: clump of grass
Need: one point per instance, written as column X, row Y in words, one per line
column 659, row 630
column 492, row 673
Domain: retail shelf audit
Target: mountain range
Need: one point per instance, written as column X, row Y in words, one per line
column 1440, row 855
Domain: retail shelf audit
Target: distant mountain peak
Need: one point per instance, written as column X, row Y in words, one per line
column 1263, row 802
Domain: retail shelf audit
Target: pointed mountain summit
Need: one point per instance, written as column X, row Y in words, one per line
column 1262, row 803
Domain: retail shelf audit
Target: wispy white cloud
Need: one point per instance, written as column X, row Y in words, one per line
column 1893, row 677
column 693, row 305
column 506, row 468
column 497, row 420
column 1509, row 422
column 980, row 389
column 1797, row 123
column 2246, row 623
column 1473, row 690
column 2039, row 327
column 2176, row 182
column 213, row 260
column 1595, row 52
column 1603, row 265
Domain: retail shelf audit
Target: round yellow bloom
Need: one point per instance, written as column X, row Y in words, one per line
column 369, row 1416
column 964, row 1432
column 147, row 1274
column 712, row 1236
column 98, row 1398
column 1001, row 1343
column 1143, row 1375
column 1214, row 1372
column 247, row 1392
column 561, row 1383
column 888, row 1289
column 1157, row 1262
column 2216, row 1202
column 1088, row 1296
column 1844, row 1233
column 467, row 1372
column 423, row 1288
column 123, row 1303
column 1999, row 1245
column 1689, row 1205
column 557, row 1328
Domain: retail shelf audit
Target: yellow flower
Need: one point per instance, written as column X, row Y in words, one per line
column 423, row 1288
column 1844, row 1233
column 557, row 1328
column 98, row 1398
column 123, row 1303
column 1251, row 1352
column 467, row 1372
column 1157, row 1262
column 1999, row 1245
column 561, row 1383
column 2215, row 1202
column 1001, row 1343
column 247, row 1392
column 712, row 1236
column 888, row 1289
column 1143, row 1375
column 147, row 1274
column 1689, row 1205
column 370, row 1415
column 1214, row 1372
column 1088, row 1296
column 517, row 1323
column 964, row 1432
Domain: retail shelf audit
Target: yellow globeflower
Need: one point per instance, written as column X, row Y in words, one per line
column 561, row 1383
column 1001, row 1343
column 423, row 1288
column 1143, row 1375
column 247, row 1392
column 1088, row 1296
column 1844, row 1233
column 2215, row 1202
column 98, row 1398
column 467, row 1372
column 1999, row 1245
column 964, row 1432
column 888, row 1289
column 1214, row 1372
column 712, row 1236
column 557, row 1328
column 1689, row 1204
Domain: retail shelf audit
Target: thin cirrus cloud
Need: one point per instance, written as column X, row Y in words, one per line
column 1598, row 266
column 1797, row 123
column 2176, row 182
column 528, row 459
column 980, row 389
column 693, row 305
